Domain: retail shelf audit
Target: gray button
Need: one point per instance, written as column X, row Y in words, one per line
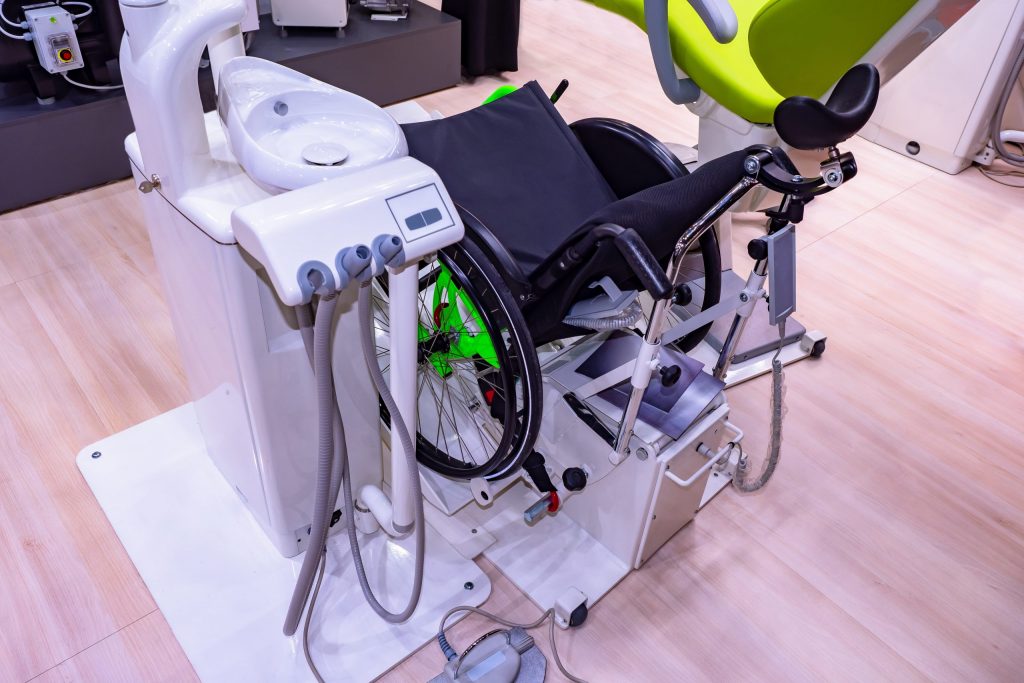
column 431, row 216
column 415, row 221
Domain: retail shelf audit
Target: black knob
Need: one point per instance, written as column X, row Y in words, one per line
column 683, row 295
column 670, row 374
column 574, row 478
column 757, row 249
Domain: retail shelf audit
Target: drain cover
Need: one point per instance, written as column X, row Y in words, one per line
column 324, row 154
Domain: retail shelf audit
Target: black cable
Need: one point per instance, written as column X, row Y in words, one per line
column 995, row 175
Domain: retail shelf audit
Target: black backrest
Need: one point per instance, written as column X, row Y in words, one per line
column 517, row 167
column 629, row 159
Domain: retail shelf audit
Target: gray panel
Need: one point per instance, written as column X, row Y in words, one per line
column 781, row 274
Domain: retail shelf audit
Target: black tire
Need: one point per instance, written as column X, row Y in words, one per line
column 517, row 375
column 711, row 256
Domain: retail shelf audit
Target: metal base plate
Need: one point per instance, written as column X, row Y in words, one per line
column 547, row 558
column 223, row 587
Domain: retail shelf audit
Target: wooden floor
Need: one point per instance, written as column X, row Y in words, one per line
column 890, row 545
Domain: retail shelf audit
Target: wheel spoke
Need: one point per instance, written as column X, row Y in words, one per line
column 475, row 359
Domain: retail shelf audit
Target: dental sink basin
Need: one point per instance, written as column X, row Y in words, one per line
column 288, row 130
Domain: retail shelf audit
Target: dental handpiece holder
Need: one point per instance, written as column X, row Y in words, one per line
column 341, row 233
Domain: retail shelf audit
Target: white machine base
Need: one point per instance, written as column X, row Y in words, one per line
column 534, row 558
column 224, row 589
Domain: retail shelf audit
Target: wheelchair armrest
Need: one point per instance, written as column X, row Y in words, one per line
column 644, row 264
column 637, row 255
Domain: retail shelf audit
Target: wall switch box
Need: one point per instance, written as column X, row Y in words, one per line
column 53, row 34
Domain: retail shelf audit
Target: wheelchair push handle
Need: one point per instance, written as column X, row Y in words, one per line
column 644, row 264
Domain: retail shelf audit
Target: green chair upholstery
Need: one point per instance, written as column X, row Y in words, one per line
column 782, row 48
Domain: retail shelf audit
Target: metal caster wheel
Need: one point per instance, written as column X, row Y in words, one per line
column 813, row 344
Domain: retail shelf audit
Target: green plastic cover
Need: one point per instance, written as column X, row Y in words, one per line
column 782, row 47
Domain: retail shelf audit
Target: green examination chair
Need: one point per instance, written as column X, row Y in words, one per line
column 732, row 62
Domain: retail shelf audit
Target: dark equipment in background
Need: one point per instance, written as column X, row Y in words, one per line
column 388, row 10
column 490, row 34
column 99, row 38
column 75, row 140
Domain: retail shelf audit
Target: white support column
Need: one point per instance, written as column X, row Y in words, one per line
column 404, row 290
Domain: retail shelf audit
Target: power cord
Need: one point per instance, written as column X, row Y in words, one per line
column 3, row 16
column 994, row 174
column 17, row 36
column 78, row 3
column 741, row 479
column 90, row 87
column 450, row 653
column 23, row 36
column 996, row 123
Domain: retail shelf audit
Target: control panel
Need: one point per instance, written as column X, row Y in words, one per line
column 419, row 209
column 348, row 228
column 53, row 34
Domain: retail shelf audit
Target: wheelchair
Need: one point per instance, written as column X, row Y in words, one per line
column 584, row 236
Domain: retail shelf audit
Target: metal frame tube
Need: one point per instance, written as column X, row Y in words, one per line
column 656, row 324
column 739, row 322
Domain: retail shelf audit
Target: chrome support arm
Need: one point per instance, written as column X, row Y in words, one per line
column 647, row 360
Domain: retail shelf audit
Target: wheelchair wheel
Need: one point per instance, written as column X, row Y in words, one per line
column 479, row 393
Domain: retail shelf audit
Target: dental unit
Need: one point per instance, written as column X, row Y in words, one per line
column 412, row 341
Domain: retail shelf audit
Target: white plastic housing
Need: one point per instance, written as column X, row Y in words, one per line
column 159, row 61
column 958, row 81
column 53, row 34
column 287, row 231
column 248, row 373
column 274, row 116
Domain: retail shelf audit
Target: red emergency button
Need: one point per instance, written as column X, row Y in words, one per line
column 65, row 55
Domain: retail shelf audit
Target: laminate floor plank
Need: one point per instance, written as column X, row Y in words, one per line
column 129, row 369
column 142, row 651
column 67, row 581
column 41, row 238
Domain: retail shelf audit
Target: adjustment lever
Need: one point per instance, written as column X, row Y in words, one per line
column 560, row 90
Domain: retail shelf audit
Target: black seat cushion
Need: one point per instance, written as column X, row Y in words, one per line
column 518, row 168
column 659, row 214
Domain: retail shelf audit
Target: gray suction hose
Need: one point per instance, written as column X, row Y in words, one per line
column 322, row 501
column 996, row 125
column 333, row 465
column 305, row 319
column 399, row 428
